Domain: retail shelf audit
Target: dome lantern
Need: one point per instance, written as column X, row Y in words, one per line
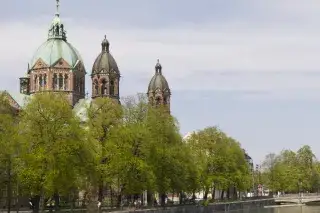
column 56, row 30
column 158, row 67
column 105, row 44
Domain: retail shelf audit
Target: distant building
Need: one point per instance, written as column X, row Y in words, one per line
column 57, row 66
column 14, row 104
column 159, row 92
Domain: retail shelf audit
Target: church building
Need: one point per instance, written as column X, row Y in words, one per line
column 58, row 67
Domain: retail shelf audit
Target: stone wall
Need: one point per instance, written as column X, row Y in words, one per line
column 223, row 207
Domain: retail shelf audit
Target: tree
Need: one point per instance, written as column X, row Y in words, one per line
column 163, row 145
column 291, row 171
column 9, row 146
column 221, row 161
column 54, row 150
column 103, row 115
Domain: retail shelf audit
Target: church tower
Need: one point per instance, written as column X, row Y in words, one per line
column 105, row 74
column 158, row 91
column 56, row 66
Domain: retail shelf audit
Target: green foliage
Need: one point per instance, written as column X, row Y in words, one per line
column 53, row 146
column 8, row 142
column 130, row 148
column 220, row 160
column 291, row 171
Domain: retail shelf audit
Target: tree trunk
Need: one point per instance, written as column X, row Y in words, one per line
column 119, row 199
column 149, row 198
column 205, row 196
column 92, row 198
column 100, row 193
column 163, row 199
column 222, row 195
column 42, row 201
column 111, row 197
column 228, row 193
column 180, row 197
column 35, row 204
column 56, row 198
column 9, row 188
column 214, row 193
column 235, row 193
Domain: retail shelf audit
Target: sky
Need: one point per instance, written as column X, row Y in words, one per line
column 250, row 67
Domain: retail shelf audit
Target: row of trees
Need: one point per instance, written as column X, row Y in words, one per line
column 291, row 172
column 50, row 150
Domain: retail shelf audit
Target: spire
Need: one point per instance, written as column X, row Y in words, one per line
column 158, row 67
column 57, row 12
column 56, row 30
column 105, row 44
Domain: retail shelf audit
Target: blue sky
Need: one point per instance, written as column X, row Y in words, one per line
column 250, row 66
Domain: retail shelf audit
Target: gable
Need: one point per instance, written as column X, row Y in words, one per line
column 61, row 63
column 40, row 64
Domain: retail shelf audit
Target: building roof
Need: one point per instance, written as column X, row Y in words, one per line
column 53, row 50
column 105, row 63
column 158, row 81
column 56, row 47
column 11, row 100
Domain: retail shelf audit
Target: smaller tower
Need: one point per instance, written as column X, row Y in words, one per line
column 105, row 74
column 158, row 91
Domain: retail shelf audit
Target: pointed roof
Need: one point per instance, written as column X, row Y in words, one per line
column 13, row 103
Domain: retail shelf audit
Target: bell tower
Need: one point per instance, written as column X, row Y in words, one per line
column 105, row 74
column 158, row 91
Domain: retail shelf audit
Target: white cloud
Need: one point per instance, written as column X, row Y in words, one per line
column 190, row 55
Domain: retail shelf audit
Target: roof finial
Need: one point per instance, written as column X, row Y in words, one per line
column 105, row 36
column 58, row 4
column 158, row 67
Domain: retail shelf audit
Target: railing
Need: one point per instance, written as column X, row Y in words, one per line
column 298, row 195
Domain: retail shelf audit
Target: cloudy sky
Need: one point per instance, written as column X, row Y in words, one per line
column 250, row 66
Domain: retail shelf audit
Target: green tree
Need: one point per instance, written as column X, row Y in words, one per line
column 291, row 171
column 103, row 115
column 221, row 161
column 164, row 140
column 9, row 146
column 54, row 151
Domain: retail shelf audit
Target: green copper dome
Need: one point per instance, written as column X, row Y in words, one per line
column 53, row 50
column 56, row 47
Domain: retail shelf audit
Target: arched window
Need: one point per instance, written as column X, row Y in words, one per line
column 66, row 82
column 55, row 82
column 158, row 100
column 35, row 83
column 40, row 82
column 111, row 88
column 44, row 80
column 80, row 85
column 103, row 87
column 60, row 81
column 96, row 87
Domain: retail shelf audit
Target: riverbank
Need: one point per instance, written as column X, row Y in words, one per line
column 213, row 207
